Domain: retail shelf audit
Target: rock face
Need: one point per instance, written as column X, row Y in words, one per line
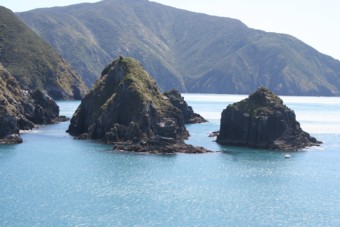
column 190, row 117
column 263, row 121
column 22, row 109
column 126, row 108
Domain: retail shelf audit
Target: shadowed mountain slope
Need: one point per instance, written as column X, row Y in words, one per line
column 34, row 63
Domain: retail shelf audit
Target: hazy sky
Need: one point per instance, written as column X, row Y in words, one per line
column 315, row 22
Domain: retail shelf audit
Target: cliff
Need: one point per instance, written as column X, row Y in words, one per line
column 34, row 63
column 22, row 109
column 263, row 121
column 126, row 108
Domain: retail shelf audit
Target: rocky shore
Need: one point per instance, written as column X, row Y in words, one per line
column 160, row 145
column 22, row 109
column 263, row 121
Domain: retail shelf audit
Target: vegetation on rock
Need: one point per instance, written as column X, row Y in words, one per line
column 33, row 62
column 126, row 108
column 22, row 109
column 263, row 121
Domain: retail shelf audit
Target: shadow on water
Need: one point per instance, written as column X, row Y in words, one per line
column 6, row 147
column 7, row 151
column 141, row 154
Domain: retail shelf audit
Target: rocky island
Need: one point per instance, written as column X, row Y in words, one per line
column 190, row 117
column 22, row 109
column 126, row 108
column 263, row 121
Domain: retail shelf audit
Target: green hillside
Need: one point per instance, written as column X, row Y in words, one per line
column 188, row 51
column 34, row 63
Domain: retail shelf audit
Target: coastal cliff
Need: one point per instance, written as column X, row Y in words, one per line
column 126, row 108
column 263, row 121
column 21, row 109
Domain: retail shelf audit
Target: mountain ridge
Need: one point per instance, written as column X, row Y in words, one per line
column 192, row 52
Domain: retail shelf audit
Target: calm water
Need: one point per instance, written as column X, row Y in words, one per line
column 53, row 180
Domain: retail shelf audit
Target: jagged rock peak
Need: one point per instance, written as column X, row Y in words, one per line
column 123, row 77
column 263, row 121
column 190, row 117
column 126, row 108
column 261, row 102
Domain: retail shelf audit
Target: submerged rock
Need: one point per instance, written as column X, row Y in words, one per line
column 11, row 139
column 263, row 121
column 22, row 109
column 126, row 108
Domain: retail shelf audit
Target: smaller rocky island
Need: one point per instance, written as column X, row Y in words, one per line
column 21, row 109
column 190, row 117
column 126, row 108
column 263, row 121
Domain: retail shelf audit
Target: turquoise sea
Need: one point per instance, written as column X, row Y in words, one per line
column 53, row 180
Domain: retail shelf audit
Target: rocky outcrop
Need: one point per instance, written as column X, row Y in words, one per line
column 22, row 109
column 9, row 131
column 126, row 108
column 160, row 145
column 263, row 121
column 190, row 117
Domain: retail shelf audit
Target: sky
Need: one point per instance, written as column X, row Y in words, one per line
column 315, row 22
